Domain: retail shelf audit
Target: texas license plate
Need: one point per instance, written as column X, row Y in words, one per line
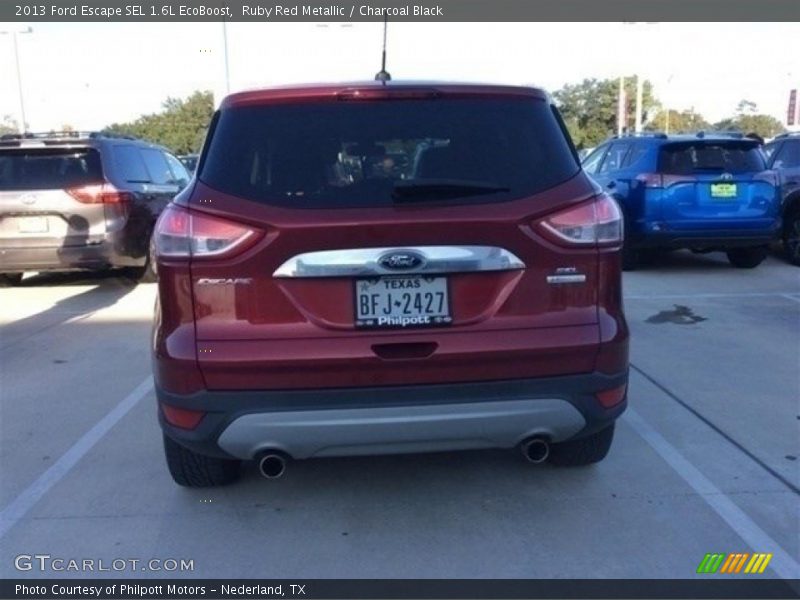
column 32, row 224
column 402, row 301
column 723, row 190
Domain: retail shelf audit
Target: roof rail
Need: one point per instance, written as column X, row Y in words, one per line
column 787, row 134
column 654, row 134
column 63, row 135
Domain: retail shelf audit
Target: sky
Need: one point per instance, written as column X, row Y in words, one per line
column 88, row 75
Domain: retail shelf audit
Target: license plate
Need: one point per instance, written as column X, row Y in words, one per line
column 723, row 190
column 402, row 301
column 32, row 224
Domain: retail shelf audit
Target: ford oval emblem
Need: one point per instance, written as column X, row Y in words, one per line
column 401, row 261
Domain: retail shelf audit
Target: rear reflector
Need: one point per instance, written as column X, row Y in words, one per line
column 183, row 233
column 596, row 222
column 182, row 417
column 612, row 397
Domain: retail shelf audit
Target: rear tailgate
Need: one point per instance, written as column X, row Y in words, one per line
column 257, row 330
column 37, row 209
column 716, row 184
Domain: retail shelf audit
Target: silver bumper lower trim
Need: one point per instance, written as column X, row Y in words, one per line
column 402, row 429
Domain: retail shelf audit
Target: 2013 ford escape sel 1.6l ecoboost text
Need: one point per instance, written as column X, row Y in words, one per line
column 387, row 268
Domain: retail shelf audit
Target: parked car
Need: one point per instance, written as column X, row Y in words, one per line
column 189, row 161
column 704, row 192
column 81, row 201
column 783, row 155
column 309, row 310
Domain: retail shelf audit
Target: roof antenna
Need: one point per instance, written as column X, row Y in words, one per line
column 383, row 74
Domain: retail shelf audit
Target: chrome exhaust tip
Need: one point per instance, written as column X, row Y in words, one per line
column 535, row 450
column 271, row 465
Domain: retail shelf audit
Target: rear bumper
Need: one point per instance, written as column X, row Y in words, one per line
column 105, row 253
column 396, row 419
column 705, row 238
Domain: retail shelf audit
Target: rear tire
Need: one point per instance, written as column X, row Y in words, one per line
column 10, row 279
column 190, row 469
column 147, row 273
column 583, row 451
column 791, row 236
column 747, row 258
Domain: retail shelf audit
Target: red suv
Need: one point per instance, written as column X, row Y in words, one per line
column 386, row 268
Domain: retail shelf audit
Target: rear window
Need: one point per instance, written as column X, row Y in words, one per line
column 698, row 157
column 353, row 154
column 44, row 169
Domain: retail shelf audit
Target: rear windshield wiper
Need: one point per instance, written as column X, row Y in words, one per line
column 438, row 189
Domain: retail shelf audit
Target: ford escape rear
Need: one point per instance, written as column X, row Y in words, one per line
column 387, row 268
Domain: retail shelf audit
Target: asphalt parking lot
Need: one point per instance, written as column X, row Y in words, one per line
column 705, row 460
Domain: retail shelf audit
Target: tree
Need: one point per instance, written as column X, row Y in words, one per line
column 766, row 126
column 749, row 120
column 680, row 121
column 746, row 107
column 9, row 125
column 589, row 108
column 181, row 125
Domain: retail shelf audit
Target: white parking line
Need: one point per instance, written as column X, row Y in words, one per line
column 20, row 506
column 712, row 295
column 782, row 563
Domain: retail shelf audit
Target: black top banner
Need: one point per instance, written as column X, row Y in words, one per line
column 413, row 589
column 376, row 10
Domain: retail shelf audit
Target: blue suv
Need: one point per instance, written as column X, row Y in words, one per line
column 705, row 192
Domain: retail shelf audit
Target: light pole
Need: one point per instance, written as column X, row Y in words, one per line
column 666, row 104
column 14, row 33
column 639, row 78
column 225, row 56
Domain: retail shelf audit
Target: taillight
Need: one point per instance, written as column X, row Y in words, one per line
column 662, row 180
column 650, row 180
column 99, row 193
column 183, row 233
column 595, row 222
column 383, row 93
